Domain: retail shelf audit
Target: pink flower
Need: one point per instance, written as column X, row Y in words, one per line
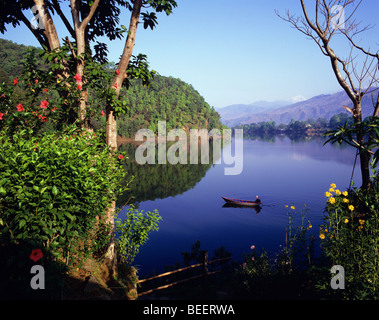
column 252, row 259
column 44, row 104
column 121, row 157
column 44, row 119
column 36, row 255
column 117, row 71
column 20, row 107
column 79, row 87
column 15, row 81
column 78, row 78
column 252, row 247
column 1, row 116
column 115, row 85
column 102, row 113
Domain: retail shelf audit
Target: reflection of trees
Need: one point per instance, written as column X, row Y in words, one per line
column 293, row 137
column 159, row 181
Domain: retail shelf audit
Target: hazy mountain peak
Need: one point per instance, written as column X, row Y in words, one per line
column 298, row 98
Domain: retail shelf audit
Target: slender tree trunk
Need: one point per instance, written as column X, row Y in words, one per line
column 82, row 102
column 80, row 36
column 111, row 129
column 364, row 156
column 111, row 126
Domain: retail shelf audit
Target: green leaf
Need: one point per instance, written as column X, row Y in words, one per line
column 21, row 223
column 55, row 190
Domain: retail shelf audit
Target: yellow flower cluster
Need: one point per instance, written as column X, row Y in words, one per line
column 361, row 223
column 322, row 234
column 333, row 190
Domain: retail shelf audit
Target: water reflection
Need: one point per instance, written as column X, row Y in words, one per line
column 257, row 209
column 161, row 181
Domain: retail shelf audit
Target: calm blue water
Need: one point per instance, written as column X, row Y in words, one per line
column 281, row 172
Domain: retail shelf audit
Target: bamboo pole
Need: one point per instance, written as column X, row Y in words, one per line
column 176, row 282
column 182, row 269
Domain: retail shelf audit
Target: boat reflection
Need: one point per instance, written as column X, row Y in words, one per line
column 232, row 205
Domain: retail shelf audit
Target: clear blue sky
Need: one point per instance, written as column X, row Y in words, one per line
column 235, row 51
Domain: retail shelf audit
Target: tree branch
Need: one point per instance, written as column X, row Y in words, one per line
column 92, row 11
column 64, row 19
column 36, row 32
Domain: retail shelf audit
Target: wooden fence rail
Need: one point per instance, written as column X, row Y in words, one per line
column 205, row 273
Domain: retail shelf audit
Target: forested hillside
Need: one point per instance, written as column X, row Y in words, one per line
column 165, row 99
column 11, row 55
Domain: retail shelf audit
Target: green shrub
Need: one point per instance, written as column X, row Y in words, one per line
column 132, row 232
column 350, row 239
column 54, row 187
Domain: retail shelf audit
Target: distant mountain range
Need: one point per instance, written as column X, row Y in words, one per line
column 322, row 106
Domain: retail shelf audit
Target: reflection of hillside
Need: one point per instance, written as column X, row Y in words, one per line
column 159, row 181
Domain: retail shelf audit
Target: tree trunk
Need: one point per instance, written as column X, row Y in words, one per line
column 80, row 37
column 111, row 126
column 364, row 156
column 50, row 32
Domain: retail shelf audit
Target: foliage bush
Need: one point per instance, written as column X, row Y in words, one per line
column 350, row 239
column 132, row 232
column 54, row 187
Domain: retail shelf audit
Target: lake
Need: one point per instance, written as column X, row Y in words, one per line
column 188, row 197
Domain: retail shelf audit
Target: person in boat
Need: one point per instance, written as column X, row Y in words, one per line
column 257, row 200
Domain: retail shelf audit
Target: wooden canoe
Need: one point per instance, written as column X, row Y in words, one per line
column 241, row 202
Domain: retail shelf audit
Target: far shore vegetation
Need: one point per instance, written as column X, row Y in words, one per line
column 310, row 127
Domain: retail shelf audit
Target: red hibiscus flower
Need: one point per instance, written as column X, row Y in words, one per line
column 44, row 104
column 115, row 85
column 45, row 90
column 44, row 119
column 15, row 81
column 53, row 110
column 117, row 71
column 102, row 113
column 36, row 81
column 78, row 78
column 79, row 87
column 1, row 116
column 36, row 255
column 121, row 157
column 20, row 107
